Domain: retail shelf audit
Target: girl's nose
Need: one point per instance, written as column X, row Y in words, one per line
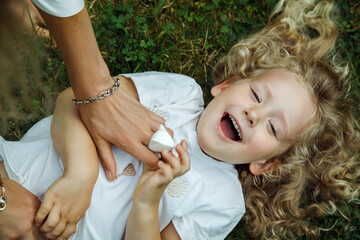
column 251, row 116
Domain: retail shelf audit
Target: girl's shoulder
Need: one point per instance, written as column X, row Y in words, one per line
column 162, row 89
column 161, row 75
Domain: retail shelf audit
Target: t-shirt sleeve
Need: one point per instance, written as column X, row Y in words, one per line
column 60, row 8
column 207, row 224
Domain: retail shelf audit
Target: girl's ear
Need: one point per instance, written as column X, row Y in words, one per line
column 217, row 89
column 266, row 166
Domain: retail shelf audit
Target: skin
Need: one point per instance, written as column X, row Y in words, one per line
column 276, row 101
column 123, row 114
column 59, row 212
column 253, row 108
column 17, row 218
column 89, row 75
column 143, row 221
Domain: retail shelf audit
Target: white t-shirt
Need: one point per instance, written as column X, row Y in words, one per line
column 205, row 203
column 60, row 8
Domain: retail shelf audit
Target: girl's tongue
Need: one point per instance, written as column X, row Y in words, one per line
column 228, row 128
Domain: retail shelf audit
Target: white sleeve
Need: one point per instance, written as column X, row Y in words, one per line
column 60, row 8
column 208, row 225
column 209, row 209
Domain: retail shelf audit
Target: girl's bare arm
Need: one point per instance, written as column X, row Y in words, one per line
column 67, row 199
column 143, row 221
column 72, row 140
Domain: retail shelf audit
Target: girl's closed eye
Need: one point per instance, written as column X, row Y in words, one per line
column 255, row 95
column 273, row 129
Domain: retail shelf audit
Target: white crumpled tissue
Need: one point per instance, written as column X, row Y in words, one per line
column 161, row 140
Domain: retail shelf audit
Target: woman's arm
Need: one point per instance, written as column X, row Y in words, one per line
column 89, row 75
column 71, row 138
column 17, row 219
column 143, row 221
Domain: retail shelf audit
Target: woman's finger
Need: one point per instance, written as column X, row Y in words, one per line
column 141, row 151
column 106, row 157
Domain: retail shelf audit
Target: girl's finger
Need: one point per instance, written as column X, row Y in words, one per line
column 184, row 157
column 43, row 211
column 59, row 229
column 183, row 143
column 166, row 154
column 52, row 220
column 166, row 172
column 173, row 161
column 70, row 229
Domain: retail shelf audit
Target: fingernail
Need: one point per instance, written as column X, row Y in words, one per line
column 37, row 225
column 108, row 175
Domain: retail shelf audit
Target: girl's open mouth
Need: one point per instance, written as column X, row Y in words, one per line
column 230, row 128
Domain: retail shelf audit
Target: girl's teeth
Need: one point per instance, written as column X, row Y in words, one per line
column 236, row 126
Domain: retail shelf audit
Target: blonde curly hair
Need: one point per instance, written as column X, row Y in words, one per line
column 321, row 168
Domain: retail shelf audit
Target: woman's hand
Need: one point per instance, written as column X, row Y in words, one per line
column 65, row 202
column 121, row 120
column 152, row 184
column 17, row 219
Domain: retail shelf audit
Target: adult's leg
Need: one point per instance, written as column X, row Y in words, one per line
column 17, row 219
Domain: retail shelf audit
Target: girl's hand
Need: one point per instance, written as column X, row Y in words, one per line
column 65, row 202
column 152, row 184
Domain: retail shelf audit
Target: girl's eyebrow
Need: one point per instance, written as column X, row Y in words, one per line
column 267, row 89
column 284, row 130
column 269, row 95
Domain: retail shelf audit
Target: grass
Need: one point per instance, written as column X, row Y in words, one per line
column 187, row 37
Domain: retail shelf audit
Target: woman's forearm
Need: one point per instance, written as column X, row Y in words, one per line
column 72, row 140
column 89, row 74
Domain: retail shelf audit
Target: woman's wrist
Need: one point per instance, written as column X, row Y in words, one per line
column 90, row 84
column 99, row 96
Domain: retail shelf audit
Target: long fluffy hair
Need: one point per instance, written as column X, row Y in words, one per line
column 321, row 168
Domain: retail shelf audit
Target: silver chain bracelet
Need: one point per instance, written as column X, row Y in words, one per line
column 2, row 199
column 3, row 195
column 101, row 95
